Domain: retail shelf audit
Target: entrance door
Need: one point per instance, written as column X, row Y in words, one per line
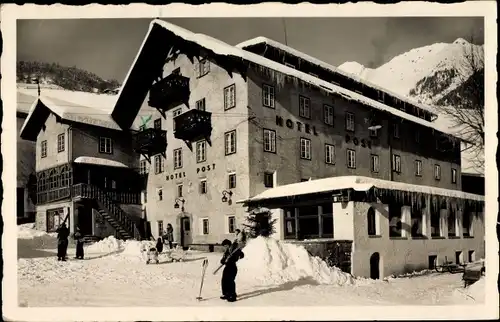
column 375, row 266
column 85, row 220
column 185, row 232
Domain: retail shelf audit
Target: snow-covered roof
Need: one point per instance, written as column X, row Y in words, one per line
column 222, row 48
column 357, row 183
column 100, row 161
column 81, row 107
column 322, row 64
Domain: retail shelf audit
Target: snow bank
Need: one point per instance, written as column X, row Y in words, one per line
column 36, row 239
column 268, row 261
column 107, row 245
column 475, row 292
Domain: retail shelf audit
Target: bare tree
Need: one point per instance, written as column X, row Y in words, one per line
column 463, row 106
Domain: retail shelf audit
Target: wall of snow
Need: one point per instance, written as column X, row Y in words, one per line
column 268, row 261
column 403, row 255
column 211, row 88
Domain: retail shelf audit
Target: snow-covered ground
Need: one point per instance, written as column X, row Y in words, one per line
column 114, row 274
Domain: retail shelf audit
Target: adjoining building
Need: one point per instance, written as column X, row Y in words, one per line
column 378, row 227
column 87, row 173
column 242, row 122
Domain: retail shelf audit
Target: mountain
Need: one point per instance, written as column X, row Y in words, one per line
column 444, row 76
column 57, row 76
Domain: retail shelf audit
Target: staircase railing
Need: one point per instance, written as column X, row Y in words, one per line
column 93, row 192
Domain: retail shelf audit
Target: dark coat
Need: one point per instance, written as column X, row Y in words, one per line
column 62, row 233
column 169, row 235
column 232, row 255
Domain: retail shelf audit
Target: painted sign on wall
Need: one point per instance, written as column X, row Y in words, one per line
column 301, row 127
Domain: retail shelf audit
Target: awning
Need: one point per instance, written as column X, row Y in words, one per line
column 100, row 161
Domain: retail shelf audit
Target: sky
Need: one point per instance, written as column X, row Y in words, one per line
column 107, row 47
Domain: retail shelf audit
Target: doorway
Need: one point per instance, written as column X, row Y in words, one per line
column 85, row 222
column 375, row 266
column 186, row 239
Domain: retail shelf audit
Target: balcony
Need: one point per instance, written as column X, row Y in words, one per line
column 169, row 92
column 193, row 125
column 150, row 142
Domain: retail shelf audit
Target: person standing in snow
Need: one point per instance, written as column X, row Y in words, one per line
column 231, row 255
column 78, row 236
column 159, row 245
column 62, row 242
column 169, row 236
column 241, row 237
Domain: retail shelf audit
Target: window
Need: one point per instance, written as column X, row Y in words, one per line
column 395, row 221
column 60, row 142
column 201, row 151
column 203, row 67
column 230, row 142
column 268, row 179
column 349, row 121
column 178, row 158
column 143, row 167
column 176, row 113
column 417, row 221
column 268, row 95
column 329, row 154
column 435, row 221
column 160, row 227
column 375, row 163
column 472, row 256
column 229, row 97
column 43, row 148
column 159, row 164
column 105, row 145
column 231, row 224
column 232, row 181
column 305, row 149
column 315, row 221
column 467, row 224
column 417, row 136
column 54, row 219
column 418, row 168
column 269, row 141
column 351, row 159
column 452, row 218
column 179, row 191
column 157, row 124
column 205, row 226
column 201, row 105
column 373, row 132
column 396, row 163
column 203, row 186
column 304, row 107
column 159, row 193
column 453, row 175
column 437, row 172
column 328, row 114
column 372, row 222
column 395, row 128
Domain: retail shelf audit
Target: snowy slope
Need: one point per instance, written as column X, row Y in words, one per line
column 404, row 73
column 427, row 74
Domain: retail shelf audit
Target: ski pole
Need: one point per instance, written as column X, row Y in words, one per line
column 205, row 264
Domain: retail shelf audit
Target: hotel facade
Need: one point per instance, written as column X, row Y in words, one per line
column 357, row 174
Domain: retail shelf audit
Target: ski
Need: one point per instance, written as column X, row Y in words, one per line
column 230, row 254
column 204, row 268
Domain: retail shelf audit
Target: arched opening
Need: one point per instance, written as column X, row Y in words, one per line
column 375, row 266
column 372, row 224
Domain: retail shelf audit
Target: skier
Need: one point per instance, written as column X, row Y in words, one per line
column 79, row 243
column 62, row 242
column 159, row 245
column 169, row 236
column 231, row 255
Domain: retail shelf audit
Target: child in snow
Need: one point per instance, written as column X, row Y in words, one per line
column 169, row 236
column 79, row 243
column 231, row 255
column 159, row 245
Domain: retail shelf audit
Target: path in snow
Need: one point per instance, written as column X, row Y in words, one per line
column 120, row 279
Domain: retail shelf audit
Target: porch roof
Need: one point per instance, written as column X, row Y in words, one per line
column 100, row 161
column 356, row 183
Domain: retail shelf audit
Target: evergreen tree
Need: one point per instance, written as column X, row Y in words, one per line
column 260, row 223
